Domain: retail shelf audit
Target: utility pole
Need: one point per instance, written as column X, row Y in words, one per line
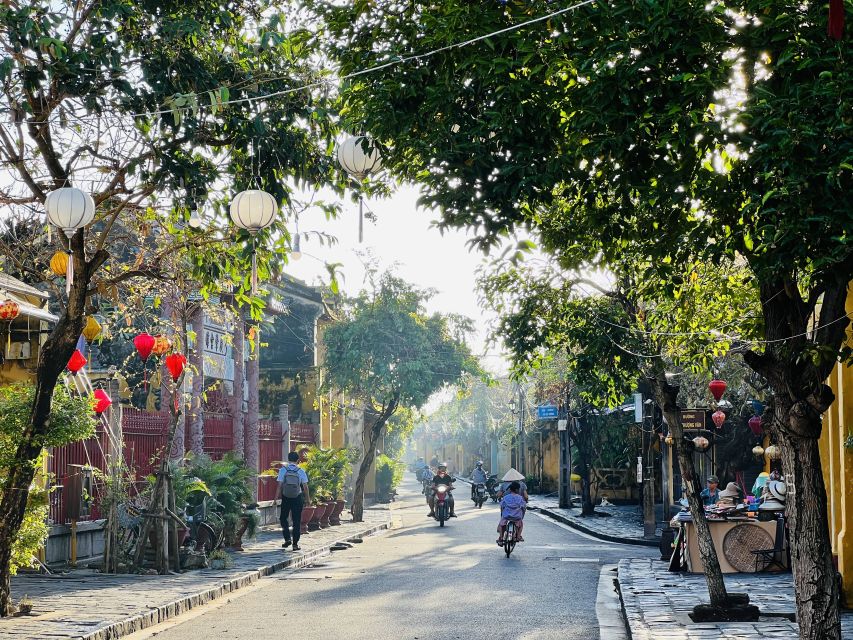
column 521, row 436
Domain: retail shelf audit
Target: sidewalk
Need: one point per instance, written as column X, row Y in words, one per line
column 622, row 524
column 656, row 604
column 89, row 605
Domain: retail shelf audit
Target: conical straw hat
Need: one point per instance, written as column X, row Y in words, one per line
column 512, row 475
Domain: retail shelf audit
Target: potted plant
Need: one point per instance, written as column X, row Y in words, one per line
column 220, row 560
column 307, row 516
column 340, row 467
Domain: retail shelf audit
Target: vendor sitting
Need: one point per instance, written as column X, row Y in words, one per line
column 711, row 493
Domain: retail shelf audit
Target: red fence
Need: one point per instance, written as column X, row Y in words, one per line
column 218, row 434
column 301, row 434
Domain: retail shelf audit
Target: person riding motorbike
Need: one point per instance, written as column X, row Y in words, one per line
column 439, row 478
column 513, row 507
column 513, row 476
column 478, row 476
column 420, row 465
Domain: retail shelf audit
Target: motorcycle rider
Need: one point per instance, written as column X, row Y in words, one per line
column 513, row 476
column 513, row 507
column 442, row 477
column 478, row 476
column 420, row 465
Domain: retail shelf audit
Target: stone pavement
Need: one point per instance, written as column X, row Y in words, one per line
column 656, row 604
column 620, row 524
column 88, row 605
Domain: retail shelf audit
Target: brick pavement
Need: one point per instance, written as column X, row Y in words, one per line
column 89, row 605
column 620, row 524
column 656, row 604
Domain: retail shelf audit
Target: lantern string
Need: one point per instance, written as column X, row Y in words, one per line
column 69, row 271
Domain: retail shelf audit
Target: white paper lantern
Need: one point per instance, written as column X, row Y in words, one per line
column 69, row 209
column 359, row 164
column 355, row 161
column 253, row 210
column 773, row 452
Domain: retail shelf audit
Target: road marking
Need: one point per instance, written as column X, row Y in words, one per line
column 565, row 559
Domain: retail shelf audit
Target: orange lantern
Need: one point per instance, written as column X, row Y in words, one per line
column 162, row 344
column 59, row 263
column 9, row 310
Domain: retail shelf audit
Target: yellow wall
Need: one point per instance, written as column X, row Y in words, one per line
column 838, row 468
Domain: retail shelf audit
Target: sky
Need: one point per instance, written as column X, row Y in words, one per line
column 402, row 239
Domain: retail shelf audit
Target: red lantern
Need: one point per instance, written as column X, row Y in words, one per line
column 719, row 418
column 755, row 425
column 175, row 363
column 102, row 401
column 718, row 388
column 144, row 344
column 9, row 310
column 77, row 362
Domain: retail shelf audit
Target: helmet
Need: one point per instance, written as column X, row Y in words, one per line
column 479, row 463
column 442, row 465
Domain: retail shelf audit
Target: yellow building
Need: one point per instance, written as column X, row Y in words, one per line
column 836, row 449
column 23, row 337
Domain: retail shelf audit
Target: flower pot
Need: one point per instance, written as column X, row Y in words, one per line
column 336, row 513
column 237, row 542
column 217, row 563
column 327, row 513
column 307, row 515
column 314, row 523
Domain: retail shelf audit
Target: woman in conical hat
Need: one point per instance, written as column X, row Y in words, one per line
column 513, row 476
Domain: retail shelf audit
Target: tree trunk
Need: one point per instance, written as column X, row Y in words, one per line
column 371, row 441
column 239, row 422
column 251, row 446
column 808, row 526
column 582, row 442
column 53, row 357
column 196, row 417
column 666, row 396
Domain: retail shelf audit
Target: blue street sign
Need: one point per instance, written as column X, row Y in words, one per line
column 546, row 412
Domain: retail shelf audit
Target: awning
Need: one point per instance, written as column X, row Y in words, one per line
column 29, row 310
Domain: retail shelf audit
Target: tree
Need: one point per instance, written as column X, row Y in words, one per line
column 676, row 131
column 391, row 354
column 154, row 108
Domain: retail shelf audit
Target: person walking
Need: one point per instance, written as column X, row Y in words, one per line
column 293, row 491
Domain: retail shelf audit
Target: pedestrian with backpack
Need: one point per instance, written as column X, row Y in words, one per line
column 293, row 491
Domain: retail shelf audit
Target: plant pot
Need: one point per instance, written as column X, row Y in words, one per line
column 327, row 513
column 237, row 542
column 217, row 563
column 182, row 535
column 307, row 515
column 336, row 513
column 314, row 523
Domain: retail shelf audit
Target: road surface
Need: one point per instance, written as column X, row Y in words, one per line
column 422, row 582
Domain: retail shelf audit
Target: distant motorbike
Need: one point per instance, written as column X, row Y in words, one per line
column 442, row 504
column 510, row 537
column 426, row 481
column 479, row 495
column 492, row 486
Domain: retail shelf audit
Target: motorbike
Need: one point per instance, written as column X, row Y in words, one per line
column 426, row 481
column 442, row 504
column 492, row 486
column 479, row 494
column 510, row 537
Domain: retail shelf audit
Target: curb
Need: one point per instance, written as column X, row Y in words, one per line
column 639, row 542
column 157, row 615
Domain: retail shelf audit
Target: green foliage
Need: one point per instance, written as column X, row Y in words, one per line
column 71, row 421
column 389, row 474
column 328, row 471
column 226, row 482
column 388, row 349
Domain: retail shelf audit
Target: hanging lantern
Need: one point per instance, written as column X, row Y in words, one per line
column 162, row 344
column 758, row 451
column 717, row 388
column 144, row 344
column 102, row 401
column 253, row 210
column 669, row 440
column 757, row 406
column 9, row 310
column 701, row 443
column 76, row 362
column 69, row 209
column 755, row 425
column 92, row 329
column 59, row 263
column 774, row 452
column 359, row 163
column 719, row 418
column 175, row 363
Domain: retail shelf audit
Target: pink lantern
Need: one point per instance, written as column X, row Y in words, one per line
column 719, row 418
column 102, row 401
column 755, row 425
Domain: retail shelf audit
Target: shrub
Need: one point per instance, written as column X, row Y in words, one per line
column 389, row 474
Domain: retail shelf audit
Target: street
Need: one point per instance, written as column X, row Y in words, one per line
column 420, row 581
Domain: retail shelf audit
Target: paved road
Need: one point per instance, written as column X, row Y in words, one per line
column 421, row 582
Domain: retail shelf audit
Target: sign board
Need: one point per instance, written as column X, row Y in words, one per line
column 546, row 412
column 693, row 419
column 562, row 424
column 640, row 469
column 638, row 408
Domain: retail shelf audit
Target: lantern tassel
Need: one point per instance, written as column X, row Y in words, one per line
column 254, row 267
column 145, row 376
column 69, row 274
column 360, row 220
